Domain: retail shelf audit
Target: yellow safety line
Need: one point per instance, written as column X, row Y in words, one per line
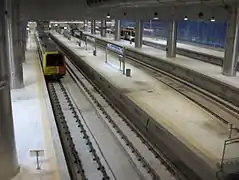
column 50, row 151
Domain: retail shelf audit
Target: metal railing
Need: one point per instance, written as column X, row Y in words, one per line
column 227, row 143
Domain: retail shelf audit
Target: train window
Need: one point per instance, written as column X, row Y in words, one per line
column 54, row 60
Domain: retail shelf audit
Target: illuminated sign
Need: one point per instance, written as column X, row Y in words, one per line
column 115, row 48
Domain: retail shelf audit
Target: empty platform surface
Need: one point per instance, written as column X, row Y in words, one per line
column 204, row 68
column 196, row 48
column 207, row 50
column 201, row 132
column 34, row 124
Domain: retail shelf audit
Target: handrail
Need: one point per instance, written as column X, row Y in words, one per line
column 228, row 142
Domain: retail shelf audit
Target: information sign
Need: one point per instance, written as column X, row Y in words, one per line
column 115, row 48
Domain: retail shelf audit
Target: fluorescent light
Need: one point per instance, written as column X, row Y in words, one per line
column 155, row 18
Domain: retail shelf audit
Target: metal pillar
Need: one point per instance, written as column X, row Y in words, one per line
column 231, row 48
column 8, row 157
column 103, row 28
column 138, row 34
column 172, row 39
column 117, row 30
column 14, row 45
column 85, row 25
column 23, row 41
column 93, row 27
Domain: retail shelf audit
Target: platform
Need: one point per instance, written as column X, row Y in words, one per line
column 201, row 132
column 193, row 47
column 204, row 68
column 206, row 50
column 34, row 124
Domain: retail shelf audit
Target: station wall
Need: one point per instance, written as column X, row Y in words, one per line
column 200, row 32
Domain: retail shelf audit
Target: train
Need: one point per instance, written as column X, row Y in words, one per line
column 127, row 34
column 53, row 61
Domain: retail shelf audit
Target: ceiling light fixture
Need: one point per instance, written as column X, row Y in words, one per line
column 185, row 18
column 155, row 16
column 108, row 16
column 213, row 19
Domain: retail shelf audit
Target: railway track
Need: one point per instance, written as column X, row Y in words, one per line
column 81, row 131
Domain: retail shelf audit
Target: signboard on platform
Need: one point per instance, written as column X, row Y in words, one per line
column 34, row 153
column 37, row 153
column 115, row 48
column 90, row 38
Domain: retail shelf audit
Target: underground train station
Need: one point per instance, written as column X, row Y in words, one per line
column 119, row 89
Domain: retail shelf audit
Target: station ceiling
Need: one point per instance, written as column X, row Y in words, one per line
column 125, row 9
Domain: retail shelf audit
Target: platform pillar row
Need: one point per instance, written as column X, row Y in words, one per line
column 117, row 30
column 172, row 39
column 231, row 47
column 15, row 61
column 139, row 33
column 93, row 27
column 8, row 157
column 103, row 28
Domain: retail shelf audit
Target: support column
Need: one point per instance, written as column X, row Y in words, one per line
column 172, row 39
column 93, row 27
column 14, row 45
column 23, row 41
column 85, row 25
column 117, row 30
column 231, row 48
column 139, row 33
column 8, row 157
column 103, row 28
